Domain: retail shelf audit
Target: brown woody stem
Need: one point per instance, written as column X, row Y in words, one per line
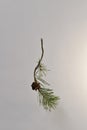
column 35, row 80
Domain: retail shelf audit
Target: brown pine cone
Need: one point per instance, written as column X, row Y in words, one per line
column 35, row 86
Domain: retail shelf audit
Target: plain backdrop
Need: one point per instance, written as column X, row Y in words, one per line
column 63, row 26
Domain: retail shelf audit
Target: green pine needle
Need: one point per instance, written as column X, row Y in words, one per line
column 47, row 98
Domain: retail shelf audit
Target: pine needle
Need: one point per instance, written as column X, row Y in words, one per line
column 47, row 98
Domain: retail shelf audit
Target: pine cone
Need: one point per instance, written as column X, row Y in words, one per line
column 35, row 86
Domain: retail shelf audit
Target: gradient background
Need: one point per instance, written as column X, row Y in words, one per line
column 63, row 26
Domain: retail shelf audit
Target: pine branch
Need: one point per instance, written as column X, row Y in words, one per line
column 46, row 96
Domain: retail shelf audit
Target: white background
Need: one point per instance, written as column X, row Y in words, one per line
column 63, row 26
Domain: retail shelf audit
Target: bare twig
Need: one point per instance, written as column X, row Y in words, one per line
column 38, row 65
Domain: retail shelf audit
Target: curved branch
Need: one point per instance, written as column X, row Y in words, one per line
column 39, row 61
